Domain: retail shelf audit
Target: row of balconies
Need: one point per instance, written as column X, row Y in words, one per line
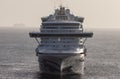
column 63, row 46
column 70, row 42
column 61, row 26
column 62, row 38
column 61, row 31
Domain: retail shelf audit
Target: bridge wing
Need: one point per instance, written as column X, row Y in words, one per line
column 38, row 35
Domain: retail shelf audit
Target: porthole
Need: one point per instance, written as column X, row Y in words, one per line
column 64, row 45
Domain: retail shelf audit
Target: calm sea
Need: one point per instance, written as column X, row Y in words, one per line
column 18, row 60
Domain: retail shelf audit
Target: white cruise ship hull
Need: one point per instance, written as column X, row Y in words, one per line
column 61, row 63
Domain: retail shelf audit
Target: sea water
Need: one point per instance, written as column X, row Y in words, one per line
column 18, row 59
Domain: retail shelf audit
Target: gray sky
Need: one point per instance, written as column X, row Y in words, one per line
column 97, row 13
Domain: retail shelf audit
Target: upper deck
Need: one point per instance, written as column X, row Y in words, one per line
column 62, row 15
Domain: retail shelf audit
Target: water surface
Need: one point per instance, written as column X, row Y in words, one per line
column 18, row 60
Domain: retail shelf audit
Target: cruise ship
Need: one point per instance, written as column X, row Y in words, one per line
column 61, row 49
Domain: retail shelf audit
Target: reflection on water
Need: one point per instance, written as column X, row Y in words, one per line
column 46, row 76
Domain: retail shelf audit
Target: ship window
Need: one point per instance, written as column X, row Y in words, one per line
column 62, row 38
column 44, row 38
column 64, row 45
column 41, row 45
column 51, row 27
column 61, row 17
column 80, row 46
column 68, row 42
column 42, row 31
column 57, row 45
column 69, row 27
column 43, row 27
column 63, row 41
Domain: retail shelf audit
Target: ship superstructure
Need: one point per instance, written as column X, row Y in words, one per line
column 61, row 47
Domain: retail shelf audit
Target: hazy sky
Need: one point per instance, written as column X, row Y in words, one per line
column 97, row 13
